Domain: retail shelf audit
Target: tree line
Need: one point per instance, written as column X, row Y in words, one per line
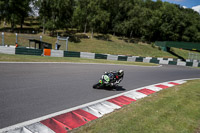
column 145, row 19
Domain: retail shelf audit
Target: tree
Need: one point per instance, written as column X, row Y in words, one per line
column 55, row 14
column 80, row 16
column 14, row 11
column 119, row 21
column 23, row 11
column 92, row 14
column 2, row 7
column 98, row 17
column 146, row 19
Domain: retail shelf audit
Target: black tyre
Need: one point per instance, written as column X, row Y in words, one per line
column 97, row 86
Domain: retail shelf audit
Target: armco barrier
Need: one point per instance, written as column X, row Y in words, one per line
column 172, row 63
column 72, row 54
column 112, row 57
column 122, row 58
column 139, row 59
column 87, row 55
column 164, row 62
column 60, row 53
column 57, row 53
column 167, row 61
column 7, row 50
column 195, row 64
column 154, row 60
column 27, row 51
column 181, row 63
column 189, row 63
column 100, row 56
column 146, row 60
column 132, row 59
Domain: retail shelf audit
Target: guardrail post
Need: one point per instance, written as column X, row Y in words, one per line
column 57, row 43
column 16, row 38
column 67, row 43
column 2, row 38
column 40, row 38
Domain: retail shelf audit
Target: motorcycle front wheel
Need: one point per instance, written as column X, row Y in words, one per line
column 97, row 86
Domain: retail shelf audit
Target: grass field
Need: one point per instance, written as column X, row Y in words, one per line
column 29, row 58
column 173, row 110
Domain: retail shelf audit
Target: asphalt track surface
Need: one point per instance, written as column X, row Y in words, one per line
column 32, row 90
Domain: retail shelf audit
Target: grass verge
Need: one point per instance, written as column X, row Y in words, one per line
column 174, row 110
column 29, row 58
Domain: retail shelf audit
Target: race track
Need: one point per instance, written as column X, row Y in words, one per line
column 32, row 90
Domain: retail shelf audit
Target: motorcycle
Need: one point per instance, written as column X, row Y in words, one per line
column 107, row 81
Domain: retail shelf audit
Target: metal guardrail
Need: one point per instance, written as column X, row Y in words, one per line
column 58, row 43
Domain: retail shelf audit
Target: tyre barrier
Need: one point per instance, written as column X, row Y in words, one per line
column 73, row 119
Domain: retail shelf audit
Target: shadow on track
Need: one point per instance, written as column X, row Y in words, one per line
column 118, row 88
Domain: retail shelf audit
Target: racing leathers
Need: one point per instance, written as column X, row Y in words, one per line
column 115, row 77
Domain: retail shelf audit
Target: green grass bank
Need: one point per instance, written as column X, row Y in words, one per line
column 30, row 58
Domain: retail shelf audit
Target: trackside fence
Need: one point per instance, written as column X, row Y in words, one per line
column 28, row 51
column 60, row 53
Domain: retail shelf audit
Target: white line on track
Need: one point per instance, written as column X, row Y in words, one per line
column 74, row 63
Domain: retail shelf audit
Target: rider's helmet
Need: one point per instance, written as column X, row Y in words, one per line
column 121, row 73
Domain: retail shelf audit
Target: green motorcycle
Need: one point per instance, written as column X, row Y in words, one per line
column 107, row 81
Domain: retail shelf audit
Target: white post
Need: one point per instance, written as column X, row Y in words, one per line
column 67, row 43
column 57, row 42
column 2, row 38
column 63, row 39
column 40, row 38
column 196, row 56
column 16, row 38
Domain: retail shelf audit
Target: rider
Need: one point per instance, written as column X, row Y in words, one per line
column 117, row 77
